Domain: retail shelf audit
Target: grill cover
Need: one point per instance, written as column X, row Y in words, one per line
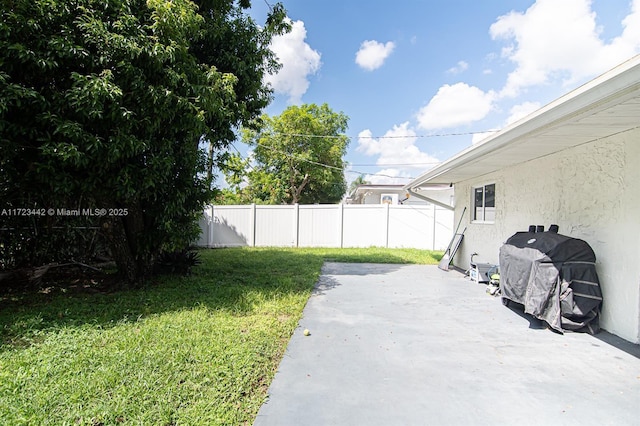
column 554, row 277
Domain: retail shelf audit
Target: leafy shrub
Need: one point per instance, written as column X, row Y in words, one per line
column 177, row 262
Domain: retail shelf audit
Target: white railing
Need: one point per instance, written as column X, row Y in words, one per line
column 332, row 225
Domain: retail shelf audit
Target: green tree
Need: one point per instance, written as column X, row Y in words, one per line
column 235, row 169
column 298, row 156
column 105, row 104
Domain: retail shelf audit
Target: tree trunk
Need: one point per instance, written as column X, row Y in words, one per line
column 123, row 234
column 210, row 162
column 120, row 250
column 298, row 190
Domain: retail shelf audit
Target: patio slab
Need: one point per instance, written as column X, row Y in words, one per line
column 415, row 345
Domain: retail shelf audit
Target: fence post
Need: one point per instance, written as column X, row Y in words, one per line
column 296, row 224
column 386, row 244
column 433, row 245
column 210, row 230
column 341, row 213
column 252, row 219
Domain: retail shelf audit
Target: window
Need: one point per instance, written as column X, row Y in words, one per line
column 484, row 203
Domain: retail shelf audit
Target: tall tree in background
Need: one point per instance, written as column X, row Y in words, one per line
column 298, row 156
column 104, row 104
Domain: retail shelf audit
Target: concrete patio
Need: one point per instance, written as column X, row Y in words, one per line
column 414, row 345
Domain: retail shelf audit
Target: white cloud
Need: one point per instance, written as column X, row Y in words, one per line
column 372, row 54
column 396, row 149
column 455, row 105
column 298, row 60
column 396, row 146
column 628, row 43
column 515, row 113
column 521, row 110
column 478, row 137
column 461, row 66
column 389, row 177
column 556, row 39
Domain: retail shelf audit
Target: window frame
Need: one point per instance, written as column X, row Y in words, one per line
column 474, row 211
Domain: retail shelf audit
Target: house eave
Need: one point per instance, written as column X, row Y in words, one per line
column 607, row 105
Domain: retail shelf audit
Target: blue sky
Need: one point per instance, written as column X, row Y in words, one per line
column 422, row 79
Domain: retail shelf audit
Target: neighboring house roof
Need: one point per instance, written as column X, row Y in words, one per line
column 361, row 190
column 605, row 106
column 368, row 186
column 439, row 195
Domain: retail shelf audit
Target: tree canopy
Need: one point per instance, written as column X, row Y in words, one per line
column 297, row 158
column 105, row 104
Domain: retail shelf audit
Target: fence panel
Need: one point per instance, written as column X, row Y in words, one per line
column 410, row 226
column 276, row 226
column 227, row 226
column 365, row 225
column 443, row 226
column 320, row 225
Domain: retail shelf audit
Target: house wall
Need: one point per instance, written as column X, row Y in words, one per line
column 593, row 193
column 375, row 196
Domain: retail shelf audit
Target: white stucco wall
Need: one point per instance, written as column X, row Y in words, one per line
column 593, row 193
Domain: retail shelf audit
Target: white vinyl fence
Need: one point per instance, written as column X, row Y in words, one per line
column 333, row 225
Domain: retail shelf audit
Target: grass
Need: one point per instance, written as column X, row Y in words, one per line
column 193, row 350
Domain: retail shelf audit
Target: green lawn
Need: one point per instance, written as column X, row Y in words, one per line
column 183, row 351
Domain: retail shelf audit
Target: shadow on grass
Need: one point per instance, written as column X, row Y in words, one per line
column 233, row 280
column 227, row 280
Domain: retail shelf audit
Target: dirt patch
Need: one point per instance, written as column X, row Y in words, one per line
column 71, row 279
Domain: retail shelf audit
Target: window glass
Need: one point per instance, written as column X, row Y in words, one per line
column 490, row 203
column 490, row 195
column 478, row 204
column 484, row 203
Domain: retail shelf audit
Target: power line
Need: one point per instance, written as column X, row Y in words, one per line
column 334, row 167
column 241, row 156
column 366, row 137
column 300, row 159
column 433, row 135
column 430, row 163
column 330, row 166
column 379, row 174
